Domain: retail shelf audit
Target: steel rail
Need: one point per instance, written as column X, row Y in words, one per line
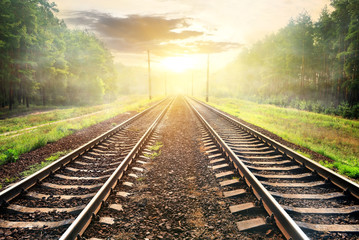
column 80, row 224
column 284, row 222
column 348, row 186
column 22, row 186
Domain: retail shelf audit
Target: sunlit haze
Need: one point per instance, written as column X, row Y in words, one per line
column 177, row 33
column 180, row 63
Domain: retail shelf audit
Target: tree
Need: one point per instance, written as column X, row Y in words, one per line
column 43, row 61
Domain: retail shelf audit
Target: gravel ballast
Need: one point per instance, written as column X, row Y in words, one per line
column 177, row 197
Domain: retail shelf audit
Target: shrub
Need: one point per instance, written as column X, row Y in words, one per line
column 42, row 141
column 11, row 155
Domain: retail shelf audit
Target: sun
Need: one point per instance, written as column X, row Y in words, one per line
column 178, row 64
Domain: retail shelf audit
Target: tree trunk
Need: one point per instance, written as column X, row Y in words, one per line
column 302, row 71
column 27, row 102
column 341, row 69
column 3, row 92
column 43, row 96
column 10, row 96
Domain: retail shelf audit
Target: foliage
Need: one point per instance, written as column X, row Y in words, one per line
column 317, row 106
column 307, row 65
column 156, row 147
column 11, row 155
column 156, row 150
column 42, row 61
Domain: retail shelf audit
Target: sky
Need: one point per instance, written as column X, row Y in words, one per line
column 180, row 34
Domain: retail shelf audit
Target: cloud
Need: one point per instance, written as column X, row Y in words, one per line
column 194, row 47
column 136, row 33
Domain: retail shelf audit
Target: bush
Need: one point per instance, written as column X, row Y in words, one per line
column 347, row 111
column 317, row 107
column 344, row 109
column 42, row 141
column 11, row 155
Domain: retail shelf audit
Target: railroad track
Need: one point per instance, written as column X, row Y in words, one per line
column 304, row 199
column 60, row 200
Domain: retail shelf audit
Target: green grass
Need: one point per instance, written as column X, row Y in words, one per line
column 334, row 137
column 156, row 147
column 11, row 147
column 36, row 167
column 156, row 150
column 38, row 118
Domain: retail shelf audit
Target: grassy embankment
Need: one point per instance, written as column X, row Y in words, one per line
column 331, row 136
column 22, row 140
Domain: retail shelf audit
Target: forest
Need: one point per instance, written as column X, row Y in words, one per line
column 307, row 65
column 44, row 62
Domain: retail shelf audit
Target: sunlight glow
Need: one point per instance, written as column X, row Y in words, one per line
column 179, row 64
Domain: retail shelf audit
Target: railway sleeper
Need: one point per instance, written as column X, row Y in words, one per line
column 210, row 147
column 58, row 186
column 295, row 185
column 213, row 151
column 275, row 169
column 234, row 138
column 238, row 208
column 279, row 157
column 221, row 166
column 268, row 152
column 22, row 209
column 98, row 150
column 322, row 196
column 281, row 162
column 80, row 178
column 102, row 164
column 216, row 161
column 34, row 225
column 234, row 193
column 331, row 211
column 240, row 143
column 210, row 143
column 234, row 146
column 63, row 197
column 249, row 148
column 215, row 155
column 72, row 169
column 353, row 228
column 252, row 224
column 225, row 174
column 303, row 176
column 98, row 154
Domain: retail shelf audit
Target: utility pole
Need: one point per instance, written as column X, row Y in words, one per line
column 192, row 83
column 207, row 78
column 149, row 75
column 166, row 84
